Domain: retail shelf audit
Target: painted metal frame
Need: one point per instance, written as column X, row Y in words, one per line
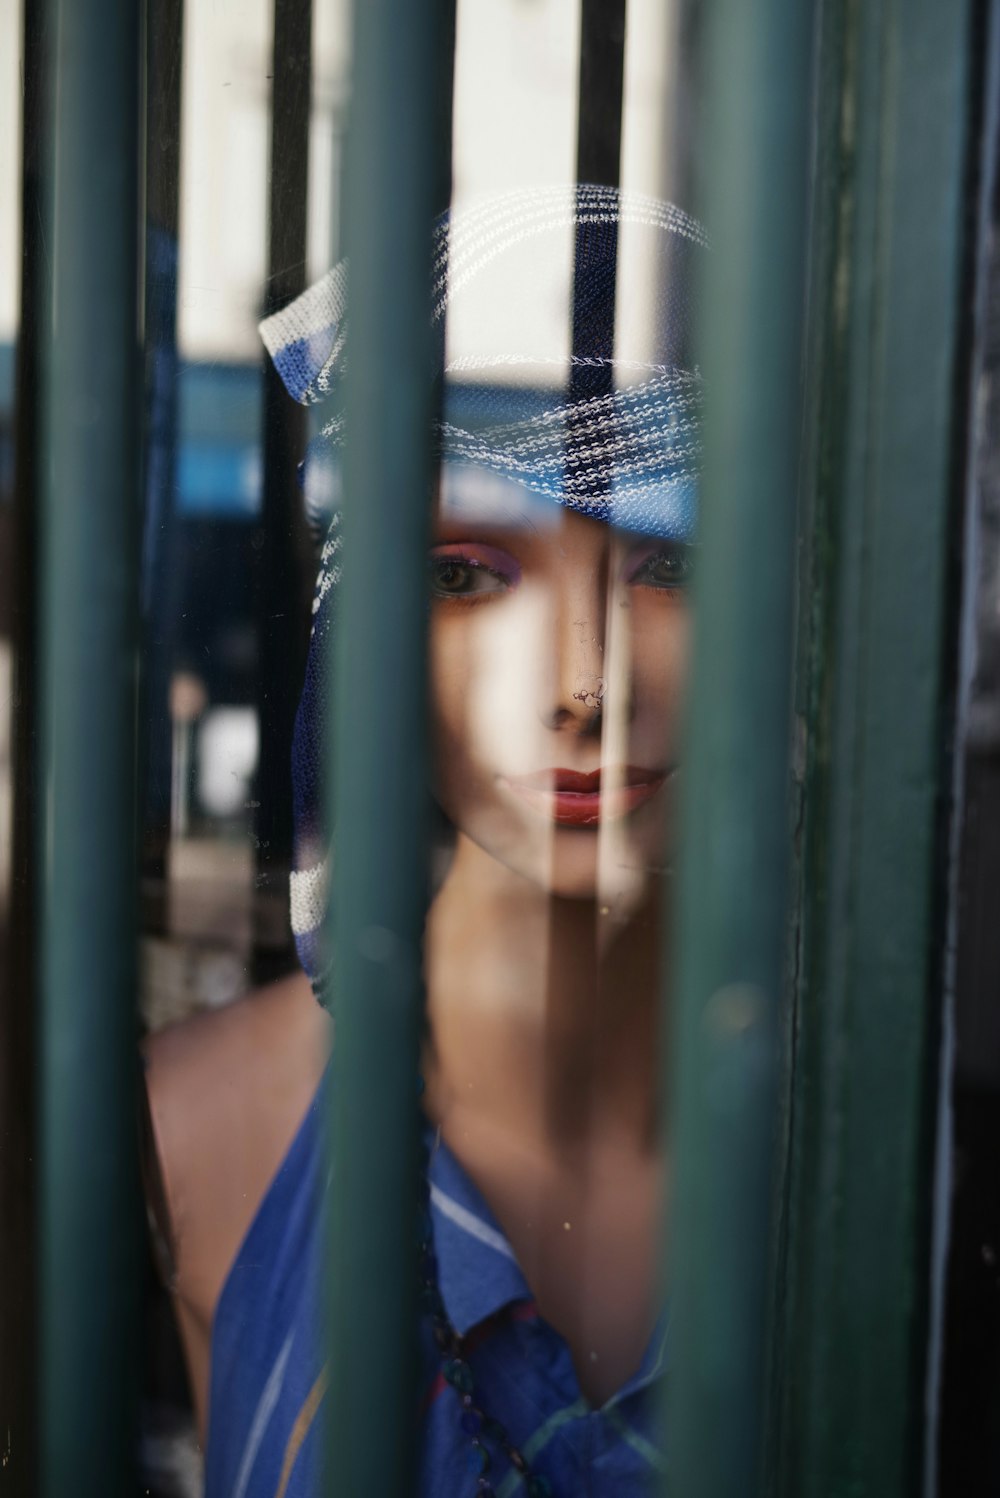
column 91, row 1220
column 727, row 989
column 885, row 392
column 378, row 776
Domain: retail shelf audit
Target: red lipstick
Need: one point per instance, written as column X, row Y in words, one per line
column 574, row 799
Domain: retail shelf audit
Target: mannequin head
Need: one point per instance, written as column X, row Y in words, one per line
column 568, row 435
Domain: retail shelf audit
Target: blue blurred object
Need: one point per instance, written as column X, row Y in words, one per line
column 219, row 440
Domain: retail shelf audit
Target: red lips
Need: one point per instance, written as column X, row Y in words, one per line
column 574, row 799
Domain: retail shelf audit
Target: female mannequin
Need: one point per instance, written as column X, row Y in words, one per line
column 557, row 648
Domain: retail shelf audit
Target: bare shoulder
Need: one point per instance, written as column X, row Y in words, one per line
column 227, row 1091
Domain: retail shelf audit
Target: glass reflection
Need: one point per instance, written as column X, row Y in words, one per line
column 564, row 539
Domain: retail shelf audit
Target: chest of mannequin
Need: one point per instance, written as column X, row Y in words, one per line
column 585, row 1231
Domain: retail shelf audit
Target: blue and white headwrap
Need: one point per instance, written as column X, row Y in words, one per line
column 564, row 316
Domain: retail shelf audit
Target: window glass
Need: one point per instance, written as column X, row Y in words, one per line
column 558, row 631
column 563, row 544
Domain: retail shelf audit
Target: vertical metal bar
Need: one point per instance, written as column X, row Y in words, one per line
column 282, row 558
column 90, row 488
column 18, row 994
column 600, row 91
column 735, row 842
column 379, row 772
column 885, row 402
column 162, row 574
column 598, row 160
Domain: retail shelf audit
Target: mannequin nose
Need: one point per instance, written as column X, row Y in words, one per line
column 579, row 684
column 591, row 692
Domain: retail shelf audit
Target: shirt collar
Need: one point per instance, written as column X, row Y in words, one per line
column 477, row 1272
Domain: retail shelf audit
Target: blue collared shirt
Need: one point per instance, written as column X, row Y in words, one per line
column 268, row 1381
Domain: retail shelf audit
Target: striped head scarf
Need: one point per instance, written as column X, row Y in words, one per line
column 563, row 318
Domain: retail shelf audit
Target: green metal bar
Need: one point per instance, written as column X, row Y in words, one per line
column 90, row 508
column 884, row 403
column 735, row 846
column 378, row 774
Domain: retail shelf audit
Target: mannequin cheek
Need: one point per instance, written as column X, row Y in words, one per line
column 467, row 728
column 660, row 667
column 491, row 666
column 449, row 766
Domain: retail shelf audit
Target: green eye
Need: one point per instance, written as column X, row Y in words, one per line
column 671, row 567
column 454, row 577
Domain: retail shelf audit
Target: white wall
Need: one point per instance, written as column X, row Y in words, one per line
column 515, row 124
column 224, row 166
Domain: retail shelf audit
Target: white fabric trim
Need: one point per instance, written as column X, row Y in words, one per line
column 470, row 1223
column 320, row 306
column 262, row 1414
column 308, row 897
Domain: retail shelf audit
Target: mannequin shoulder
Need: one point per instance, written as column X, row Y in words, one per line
column 227, row 1091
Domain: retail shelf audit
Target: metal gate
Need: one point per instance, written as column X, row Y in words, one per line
column 838, row 148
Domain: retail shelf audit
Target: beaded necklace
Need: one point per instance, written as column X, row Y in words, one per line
column 483, row 1431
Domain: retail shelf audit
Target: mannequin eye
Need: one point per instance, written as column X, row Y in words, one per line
column 466, row 575
column 669, row 566
column 451, row 578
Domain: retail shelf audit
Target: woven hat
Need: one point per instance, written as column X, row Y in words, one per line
column 564, row 317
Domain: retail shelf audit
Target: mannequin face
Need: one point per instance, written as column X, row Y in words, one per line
column 558, row 652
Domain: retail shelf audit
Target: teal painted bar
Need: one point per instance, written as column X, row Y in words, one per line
column 885, row 408
column 727, row 989
column 91, row 1220
column 378, row 773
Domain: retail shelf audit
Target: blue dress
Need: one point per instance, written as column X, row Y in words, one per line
column 268, row 1381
